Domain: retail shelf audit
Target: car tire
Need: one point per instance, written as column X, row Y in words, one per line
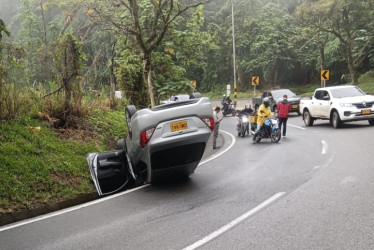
column 129, row 112
column 308, row 119
column 371, row 122
column 195, row 95
column 336, row 122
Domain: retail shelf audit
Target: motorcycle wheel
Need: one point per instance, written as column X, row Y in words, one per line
column 257, row 138
column 233, row 113
column 275, row 135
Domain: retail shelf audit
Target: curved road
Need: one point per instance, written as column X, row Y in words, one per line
column 312, row 190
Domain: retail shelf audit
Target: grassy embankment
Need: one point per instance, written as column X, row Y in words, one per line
column 40, row 165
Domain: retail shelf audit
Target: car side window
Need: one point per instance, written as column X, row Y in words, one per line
column 319, row 95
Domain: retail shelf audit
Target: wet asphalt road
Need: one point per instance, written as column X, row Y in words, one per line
column 312, row 190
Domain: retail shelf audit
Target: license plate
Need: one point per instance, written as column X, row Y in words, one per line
column 366, row 112
column 177, row 126
column 295, row 106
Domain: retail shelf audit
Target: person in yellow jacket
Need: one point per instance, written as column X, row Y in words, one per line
column 262, row 113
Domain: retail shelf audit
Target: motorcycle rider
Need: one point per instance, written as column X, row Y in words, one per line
column 262, row 113
column 245, row 112
column 226, row 102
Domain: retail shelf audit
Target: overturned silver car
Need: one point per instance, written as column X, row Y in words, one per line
column 166, row 141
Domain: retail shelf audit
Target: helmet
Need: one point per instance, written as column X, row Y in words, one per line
column 266, row 102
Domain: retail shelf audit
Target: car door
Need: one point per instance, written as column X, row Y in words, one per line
column 322, row 104
column 110, row 171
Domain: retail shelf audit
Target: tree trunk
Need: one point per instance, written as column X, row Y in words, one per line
column 351, row 68
column 148, row 76
column 112, row 77
column 322, row 61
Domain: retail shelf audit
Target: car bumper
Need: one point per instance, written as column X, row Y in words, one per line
column 356, row 114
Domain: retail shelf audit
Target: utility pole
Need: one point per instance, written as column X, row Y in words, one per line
column 233, row 47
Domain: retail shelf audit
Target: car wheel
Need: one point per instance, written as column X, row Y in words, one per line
column 371, row 122
column 308, row 120
column 195, row 95
column 129, row 112
column 336, row 122
column 275, row 135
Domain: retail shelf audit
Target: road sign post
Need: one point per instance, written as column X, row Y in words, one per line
column 255, row 82
column 325, row 75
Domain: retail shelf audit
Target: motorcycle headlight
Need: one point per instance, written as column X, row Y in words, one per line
column 244, row 119
column 346, row 105
column 274, row 121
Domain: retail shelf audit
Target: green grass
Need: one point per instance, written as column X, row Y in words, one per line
column 44, row 166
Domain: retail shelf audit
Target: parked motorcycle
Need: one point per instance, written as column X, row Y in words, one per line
column 270, row 129
column 243, row 125
column 229, row 109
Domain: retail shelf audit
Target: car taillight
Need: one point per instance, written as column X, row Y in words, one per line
column 209, row 122
column 145, row 136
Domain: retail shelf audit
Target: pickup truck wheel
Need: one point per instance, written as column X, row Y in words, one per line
column 371, row 122
column 129, row 112
column 308, row 120
column 336, row 122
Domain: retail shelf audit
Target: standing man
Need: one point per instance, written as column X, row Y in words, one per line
column 217, row 119
column 284, row 108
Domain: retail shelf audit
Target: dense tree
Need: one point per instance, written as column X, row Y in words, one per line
column 145, row 24
column 346, row 20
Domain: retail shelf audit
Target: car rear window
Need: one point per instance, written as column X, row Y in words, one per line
column 174, row 104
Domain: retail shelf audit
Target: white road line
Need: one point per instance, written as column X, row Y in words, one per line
column 324, row 147
column 234, row 222
column 224, row 151
column 296, row 126
column 70, row 209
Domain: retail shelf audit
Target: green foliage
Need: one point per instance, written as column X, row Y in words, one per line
column 39, row 166
column 174, row 88
column 129, row 72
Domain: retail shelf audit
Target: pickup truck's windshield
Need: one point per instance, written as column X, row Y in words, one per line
column 347, row 92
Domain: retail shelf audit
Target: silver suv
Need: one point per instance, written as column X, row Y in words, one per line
column 162, row 142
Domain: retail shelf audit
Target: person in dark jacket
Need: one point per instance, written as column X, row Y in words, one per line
column 284, row 108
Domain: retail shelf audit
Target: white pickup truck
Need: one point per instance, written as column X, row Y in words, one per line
column 338, row 104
